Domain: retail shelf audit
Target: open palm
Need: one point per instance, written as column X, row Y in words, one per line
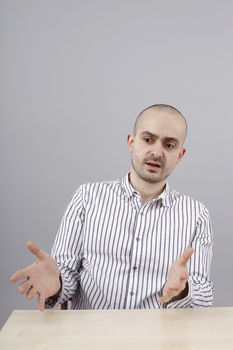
column 40, row 279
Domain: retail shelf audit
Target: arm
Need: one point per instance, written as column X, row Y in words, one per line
column 55, row 279
column 67, row 248
column 197, row 289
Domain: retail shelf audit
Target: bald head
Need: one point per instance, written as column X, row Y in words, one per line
column 162, row 110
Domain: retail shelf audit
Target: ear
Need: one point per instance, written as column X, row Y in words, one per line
column 181, row 154
column 130, row 141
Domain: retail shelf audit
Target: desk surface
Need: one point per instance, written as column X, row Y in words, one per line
column 205, row 329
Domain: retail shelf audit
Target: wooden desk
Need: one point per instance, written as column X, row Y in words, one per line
column 205, row 329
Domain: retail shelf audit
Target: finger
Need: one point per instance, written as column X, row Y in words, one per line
column 167, row 297
column 184, row 276
column 184, row 258
column 163, row 300
column 171, row 293
column 24, row 287
column 171, row 286
column 31, row 293
column 24, row 273
column 34, row 249
column 17, row 276
column 178, row 284
column 167, row 294
column 41, row 302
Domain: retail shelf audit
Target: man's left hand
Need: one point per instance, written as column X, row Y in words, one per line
column 177, row 278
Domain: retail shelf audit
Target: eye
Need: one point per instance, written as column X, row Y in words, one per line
column 147, row 139
column 170, row 145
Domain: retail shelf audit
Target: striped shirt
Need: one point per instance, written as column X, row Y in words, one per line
column 115, row 252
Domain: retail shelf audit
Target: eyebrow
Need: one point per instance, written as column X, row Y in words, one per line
column 148, row 133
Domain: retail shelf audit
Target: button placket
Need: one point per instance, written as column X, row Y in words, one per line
column 133, row 275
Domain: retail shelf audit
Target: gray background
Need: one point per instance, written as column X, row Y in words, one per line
column 74, row 75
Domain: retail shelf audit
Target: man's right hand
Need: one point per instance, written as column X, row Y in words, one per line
column 41, row 279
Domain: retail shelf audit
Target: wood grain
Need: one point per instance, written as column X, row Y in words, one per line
column 205, row 329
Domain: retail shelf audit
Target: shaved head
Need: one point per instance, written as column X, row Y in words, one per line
column 161, row 108
column 156, row 144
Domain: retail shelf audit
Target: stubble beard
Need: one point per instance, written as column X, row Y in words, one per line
column 152, row 178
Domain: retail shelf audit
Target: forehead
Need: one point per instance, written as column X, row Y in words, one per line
column 162, row 123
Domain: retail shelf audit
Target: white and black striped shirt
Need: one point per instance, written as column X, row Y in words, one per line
column 113, row 252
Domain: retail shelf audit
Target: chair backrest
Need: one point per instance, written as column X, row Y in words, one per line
column 64, row 306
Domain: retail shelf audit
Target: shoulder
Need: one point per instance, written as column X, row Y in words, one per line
column 189, row 203
column 93, row 188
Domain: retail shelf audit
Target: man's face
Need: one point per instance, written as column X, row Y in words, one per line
column 156, row 146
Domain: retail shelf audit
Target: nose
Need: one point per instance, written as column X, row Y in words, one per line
column 157, row 150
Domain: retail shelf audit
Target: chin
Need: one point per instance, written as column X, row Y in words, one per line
column 151, row 179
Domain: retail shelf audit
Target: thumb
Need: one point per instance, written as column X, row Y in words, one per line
column 34, row 249
column 184, row 258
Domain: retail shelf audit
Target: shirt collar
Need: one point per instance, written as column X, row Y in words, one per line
column 130, row 191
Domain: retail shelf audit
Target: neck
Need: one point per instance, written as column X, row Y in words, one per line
column 147, row 190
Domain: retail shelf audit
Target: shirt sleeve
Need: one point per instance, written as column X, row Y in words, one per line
column 67, row 249
column 200, row 288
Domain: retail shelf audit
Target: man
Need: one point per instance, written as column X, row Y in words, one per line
column 130, row 243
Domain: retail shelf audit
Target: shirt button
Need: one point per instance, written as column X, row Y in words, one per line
column 131, row 293
column 135, row 268
column 138, row 239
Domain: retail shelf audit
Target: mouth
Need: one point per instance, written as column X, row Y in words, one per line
column 153, row 165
